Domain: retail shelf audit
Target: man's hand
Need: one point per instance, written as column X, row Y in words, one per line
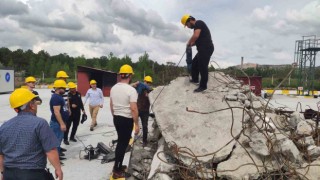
column 63, row 127
column 74, row 106
column 59, row 174
column 136, row 129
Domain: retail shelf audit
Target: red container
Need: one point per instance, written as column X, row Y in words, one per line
column 255, row 83
column 105, row 79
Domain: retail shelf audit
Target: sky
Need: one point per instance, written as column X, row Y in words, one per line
column 261, row 31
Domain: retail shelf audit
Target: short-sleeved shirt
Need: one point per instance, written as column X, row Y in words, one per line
column 24, row 141
column 122, row 95
column 57, row 100
column 204, row 40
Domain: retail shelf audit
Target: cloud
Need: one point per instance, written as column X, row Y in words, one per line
column 263, row 14
column 12, row 7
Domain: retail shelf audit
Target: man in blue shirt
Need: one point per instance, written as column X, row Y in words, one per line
column 26, row 141
column 60, row 113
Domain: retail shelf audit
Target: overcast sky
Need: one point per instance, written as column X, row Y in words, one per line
column 263, row 31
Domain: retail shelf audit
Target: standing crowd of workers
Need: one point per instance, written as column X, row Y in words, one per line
column 27, row 141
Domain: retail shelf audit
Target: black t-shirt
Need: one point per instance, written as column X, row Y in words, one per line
column 204, row 40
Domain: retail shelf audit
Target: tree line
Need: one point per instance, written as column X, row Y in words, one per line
column 43, row 64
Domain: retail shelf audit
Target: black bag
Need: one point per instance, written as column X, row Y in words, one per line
column 84, row 118
column 49, row 176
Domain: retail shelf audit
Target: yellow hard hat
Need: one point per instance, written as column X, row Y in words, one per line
column 72, row 85
column 126, row 69
column 59, row 84
column 148, row 79
column 30, row 79
column 62, row 74
column 184, row 19
column 20, row 97
column 93, row 82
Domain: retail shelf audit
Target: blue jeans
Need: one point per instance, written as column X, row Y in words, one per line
column 55, row 126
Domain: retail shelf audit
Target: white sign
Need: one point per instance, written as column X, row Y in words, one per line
column 6, row 80
column 300, row 88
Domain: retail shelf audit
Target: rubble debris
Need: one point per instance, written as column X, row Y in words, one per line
column 227, row 132
column 303, row 128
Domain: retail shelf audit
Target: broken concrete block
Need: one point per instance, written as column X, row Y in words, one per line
column 281, row 122
column 259, row 144
column 294, row 119
column 256, row 104
column 247, row 104
column 201, row 133
column 313, row 152
column 161, row 176
column 231, row 98
column 303, row 128
column 156, row 162
column 310, row 171
column 240, row 165
column 289, row 150
column 242, row 97
column 234, row 92
column 306, row 141
column 223, row 89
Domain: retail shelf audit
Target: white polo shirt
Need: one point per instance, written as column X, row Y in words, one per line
column 122, row 95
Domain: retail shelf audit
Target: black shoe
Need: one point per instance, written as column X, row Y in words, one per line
column 62, row 158
column 66, row 142
column 63, row 149
column 62, row 154
column 91, row 128
column 73, row 140
column 199, row 89
column 193, row 81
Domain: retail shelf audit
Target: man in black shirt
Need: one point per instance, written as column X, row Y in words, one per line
column 201, row 38
column 76, row 107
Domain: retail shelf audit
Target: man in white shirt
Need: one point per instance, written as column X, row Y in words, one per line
column 123, row 105
column 96, row 101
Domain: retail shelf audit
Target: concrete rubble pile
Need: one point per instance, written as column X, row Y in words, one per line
column 228, row 132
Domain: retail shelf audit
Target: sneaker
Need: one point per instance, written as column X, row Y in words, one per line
column 73, row 140
column 62, row 154
column 66, row 142
column 91, row 128
column 117, row 174
column 63, row 149
column 199, row 89
column 62, row 158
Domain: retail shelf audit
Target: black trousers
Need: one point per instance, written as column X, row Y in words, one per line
column 124, row 128
column 200, row 65
column 24, row 174
column 74, row 119
column 144, row 116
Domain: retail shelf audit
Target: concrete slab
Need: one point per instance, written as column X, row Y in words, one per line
column 202, row 133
